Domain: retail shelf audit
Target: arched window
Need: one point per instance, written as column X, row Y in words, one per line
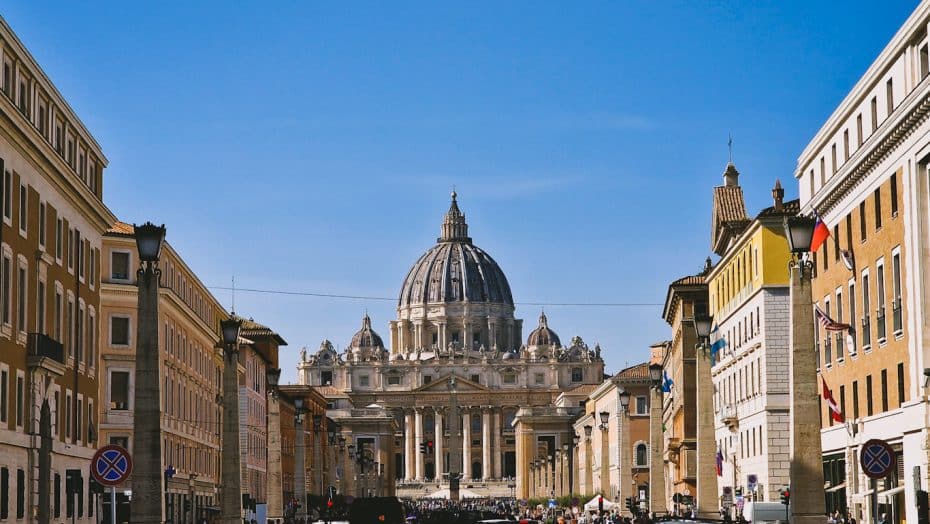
column 642, row 455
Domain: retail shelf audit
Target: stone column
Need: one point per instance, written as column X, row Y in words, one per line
column 557, row 485
column 657, row 503
column 706, row 500
column 438, row 455
column 275, row 491
column 806, row 471
column 588, row 467
column 605, row 462
column 418, row 425
column 485, row 443
column 232, row 492
column 566, row 488
column 466, row 444
column 497, row 456
column 626, row 473
column 409, row 447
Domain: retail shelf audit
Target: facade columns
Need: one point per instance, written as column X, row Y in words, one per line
column 588, row 466
column 657, row 502
column 418, row 431
column 498, row 457
column 275, row 494
column 707, row 498
column 466, row 444
column 485, row 443
column 438, row 455
column 410, row 447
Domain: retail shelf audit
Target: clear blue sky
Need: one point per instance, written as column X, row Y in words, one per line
column 312, row 147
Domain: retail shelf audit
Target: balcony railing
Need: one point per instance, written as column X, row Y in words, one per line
column 896, row 318
column 729, row 415
column 866, row 332
column 840, row 345
column 828, row 350
column 880, row 320
column 41, row 345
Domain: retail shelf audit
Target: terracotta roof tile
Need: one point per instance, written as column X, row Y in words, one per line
column 121, row 228
column 791, row 207
column 637, row 372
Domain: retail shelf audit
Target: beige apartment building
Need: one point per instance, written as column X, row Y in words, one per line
column 865, row 172
column 53, row 217
column 191, row 370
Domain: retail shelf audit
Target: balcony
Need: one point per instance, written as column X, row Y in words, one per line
column 45, row 352
column 729, row 416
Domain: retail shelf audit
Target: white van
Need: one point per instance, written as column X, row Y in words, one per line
column 757, row 512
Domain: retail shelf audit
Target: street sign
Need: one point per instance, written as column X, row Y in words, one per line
column 751, row 481
column 876, row 458
column 551, row 503
column 111, row 465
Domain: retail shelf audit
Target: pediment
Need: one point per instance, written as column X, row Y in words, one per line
column 462, row 385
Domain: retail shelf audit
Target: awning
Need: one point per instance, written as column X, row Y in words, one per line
column 836, row 488
column 891, row 492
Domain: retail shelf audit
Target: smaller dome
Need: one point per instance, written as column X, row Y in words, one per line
column 366, row 337
column 542, row 335
column 509, row 355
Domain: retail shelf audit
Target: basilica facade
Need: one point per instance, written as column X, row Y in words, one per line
column 456, row 373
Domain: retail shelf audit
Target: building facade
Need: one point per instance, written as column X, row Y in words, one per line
column 455, row 318
column 686, row 297
column 53, row 218
column 191, row 371
column 865, row 172
column 749, row 303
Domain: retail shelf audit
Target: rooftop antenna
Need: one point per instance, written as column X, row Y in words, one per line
column 730, row 147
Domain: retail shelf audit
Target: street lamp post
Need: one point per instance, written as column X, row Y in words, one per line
column 605, row 454
column 626, row 472
column 232, row 491
column 563, row 472
column 148, row 481
column 300, row 468
column 573, row 480
column 656, row 443
column 806, row 468
column 706, row 501
column 318, row 449
column 275, row 492
column 557, row 473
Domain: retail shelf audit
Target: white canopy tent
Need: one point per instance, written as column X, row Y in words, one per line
column 592, row 504
column 444, row 494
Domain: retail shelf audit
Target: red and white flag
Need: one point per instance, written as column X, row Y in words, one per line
column 828, row 323
column 835, row 412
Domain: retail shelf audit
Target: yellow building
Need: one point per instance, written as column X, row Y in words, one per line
column 749, row 303
column 191, row 370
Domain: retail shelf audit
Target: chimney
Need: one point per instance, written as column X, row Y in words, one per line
column 731, row 175
column 778, row 194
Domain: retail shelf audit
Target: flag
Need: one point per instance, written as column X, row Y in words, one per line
column 667, row 382
column 835, row 412
column 821, row 233
column 718, row 341
column 718, row 463
column 828, row 323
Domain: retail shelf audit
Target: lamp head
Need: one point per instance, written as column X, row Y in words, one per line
column 273, row 375
column 230, row 328
column 149, row 239
column 575, row 439
column 588, row 430
column 299, row 404
column 800, row 232
column 605, row 417
column 702, row 325
column 655, row 373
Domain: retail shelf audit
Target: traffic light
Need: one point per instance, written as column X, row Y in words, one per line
column 600, row 504
column 429, row 445
column 785, row 496
column 423, row 448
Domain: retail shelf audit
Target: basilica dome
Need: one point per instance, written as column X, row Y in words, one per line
column 543, row 335
column 366, row 337
column 455, row 270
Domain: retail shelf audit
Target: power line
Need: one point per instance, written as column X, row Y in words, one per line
column 390, row 299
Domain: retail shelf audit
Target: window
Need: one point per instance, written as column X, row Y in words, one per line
column 21, row 302
column 539, row 378
column 855, row 387
column 924, row 63
column 427, row 379
column 119, row 331
column 68, row 414
column 6, row 275
column 42, row 221
column 23, row 207
column 889, row 95
column 866, row 304
column 510, row 378
column 823, row 171
column 852, row 317
column 833, row 158
column 119, row 265
column 868, row 395
column 577, row 374
column 897, row 321
column 4, row 392
column 4, row 493
column 845, row 145
column 836, row 242
column 862, row 228
column 878, row 208
column 326, row 378
column 900, row 384
column 894, row 194
column 880, row 300
column 119, row 390
column 363, row 380
column 393, row 380
column 859, row 130
column 874, row 113
column 642, row 455
column 20, row 493
column 69, row 248
column 58, row 304
column 884, row 390
column 8, row 195
column 476, row 379
column 58, row 246
column 642, row 406
column 841, row 335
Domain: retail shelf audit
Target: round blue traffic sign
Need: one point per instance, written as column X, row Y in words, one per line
column 876, row 458
column 111, row 465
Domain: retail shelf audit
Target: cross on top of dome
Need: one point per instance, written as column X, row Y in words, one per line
column 454, row 228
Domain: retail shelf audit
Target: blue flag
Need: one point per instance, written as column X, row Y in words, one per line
column 666, row 382
column 718, row 341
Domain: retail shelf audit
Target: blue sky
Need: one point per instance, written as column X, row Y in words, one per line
column 309, row 146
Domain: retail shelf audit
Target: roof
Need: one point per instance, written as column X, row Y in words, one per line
column 330, row 391
column 729, row 216
column 121, row 228
column 583, row 389
column 636, row 372
column 789, row 208
column 252, row 329
column 691, row 283
column 692, row 280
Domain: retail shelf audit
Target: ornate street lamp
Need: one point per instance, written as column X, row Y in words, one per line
column 800, row 231
column 623, row 398
column 702, row 326
column 605, row 418
column 655, row 374
column 148, row 477
column 232, row 502
column 587, row 432
column 272, row 376
column 656, row 464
